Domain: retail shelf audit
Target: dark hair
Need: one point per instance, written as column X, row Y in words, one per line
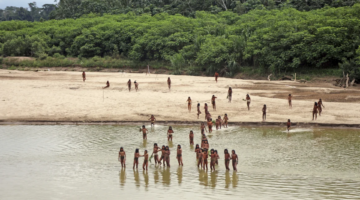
column 226, row 151
column 289, row 94
column 197, row 146
column 136, row 150
column 179, row 146
column 155, row 144
column 315, row 103
column 206, row 104
column 212, row 150
column 198, row 104
column 121, row 149
column 167, row 147
column 143, row 126
column 288, row 120
column 191, row 131
column 163, row 147
column 215, row 150
column 170, row 127
column 233, row 151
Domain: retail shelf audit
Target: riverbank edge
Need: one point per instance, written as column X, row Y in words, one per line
column 256, row 124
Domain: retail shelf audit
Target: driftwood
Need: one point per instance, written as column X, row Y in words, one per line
column 269, row 77
column 352, row 83
column 302, row 81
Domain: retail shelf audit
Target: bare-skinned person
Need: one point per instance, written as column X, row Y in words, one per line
column 216, row 76
column 213, row 160
column 288, row 124
column 200, row 158
column 162, row 155
column 136, row 86
column 144, row 131
column 198, row 110
column 203, row 128
column 146, row 160
column 320, row 105
column 129, row 85
column 205, row 159
column 167, row 156
column 248, row 101
column 217, row 123
column 169, row 133
column 206, row 109
column 230, row 94
column 152, row 119
column 83, row 76
column 156, row 149
column 107, row 85
column 234, row 159
column 191, row 137
column 210, row 124
column 315, row 111
column 169, row 82
column 207, row 115
column 206, row 144
column 264, row 113
column 136, row 158
column 289, row 100
column 213, row 102
column 122, row 157
column 189, row 104
column 179, row 155
column 227, row 159
column 197, row 151
column 226, row 119
column 217, row 157
column 220, row 121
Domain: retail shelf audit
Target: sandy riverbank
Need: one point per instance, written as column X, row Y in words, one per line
column 27, row 96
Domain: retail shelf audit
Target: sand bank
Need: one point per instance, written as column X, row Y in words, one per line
column 62, row 97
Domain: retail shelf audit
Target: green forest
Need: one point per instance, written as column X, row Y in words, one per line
column 192, row 37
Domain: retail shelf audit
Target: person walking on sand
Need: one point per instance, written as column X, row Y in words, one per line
column 198, row 110
column 136, row 86
column 229, row 94
column 264, row 113
column 107, row 85
column 169, row 133
column 288, row 124
column 320, row 105
column 169, row 83
column 248, row 101
column 189, row 103
column 152, row 119
column 213, row 102
column 129, row 84
column 179, row 155
column 289, row 99
column 315, row 111
column 122, row 157
column 83, row 76
column 216, row 76
column 144, row 131
column 234, row 159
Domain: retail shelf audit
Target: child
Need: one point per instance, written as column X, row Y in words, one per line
column 213, row 160
column 210, row 125
column 197, row 151
column 152, row 119
column 191, row 137
column 179, row 155
column 248, row 100
column 189, row 104
column 144, row 131
column 213, row 102
column 200, row 158
column 122, row 157
column 220, row 121
column 169, row 133
column 136, row 86
column 146, row 160
column 320, row 105
column 315, row 111
column 162, row 155
column 264, row 113
column 84, row 76
column 155, row 153
column 107, row 85
column 217, row 157
column 203, row 127
column 207, row 115
column 227, row 159
column 129, row 84
column 198, row 110
column 136, row 159
column 216, row 76
column 229, row 94
column 289, row 99
column 226, row 120
column 205, row 157
column 167, row 156
column 288, row 124
column 217, row 124
column 234, row 158
column 169, row 83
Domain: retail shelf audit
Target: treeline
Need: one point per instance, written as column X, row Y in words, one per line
column 76, row 8
column 275, row 41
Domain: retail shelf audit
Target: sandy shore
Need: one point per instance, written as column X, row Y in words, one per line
column 27, row 96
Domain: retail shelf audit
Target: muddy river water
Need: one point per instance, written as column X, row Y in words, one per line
column 80, row 162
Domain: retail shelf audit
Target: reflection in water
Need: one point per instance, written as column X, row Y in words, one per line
column 264, row 132
column 288, row 135
column 122, row 177
column 170, row 144
column 146, row 178
column 213, row 178
column 317, row 134
column 234, row 179
column 203, row 177
column 179, row 174
column 156, row 176
column 166, row 176
column 137, row 178
column 144, row 143
column 227, row 179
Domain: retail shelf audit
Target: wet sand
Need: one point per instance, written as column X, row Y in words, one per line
column 58, row 96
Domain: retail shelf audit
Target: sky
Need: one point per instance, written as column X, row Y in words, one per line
column 23, row 3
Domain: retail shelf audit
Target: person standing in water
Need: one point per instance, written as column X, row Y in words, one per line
column 189, row 103
column 129, row 85
column 289, row 99
column 146, row 160
column 84, row 76
column 220, row 121
column 107, row 85
column 169, row 82
column 167, row 156
column 144, row 131
column 122, row 157
column 248, row 101
column 288, row 124
column 264, row 113
column 200, row 158
column 169, row 133
column 162, row 155
column 203, row 128
column 179, row 155
column 226, row 120
column 136, row 158
column 136, row 86
column 320, row 105
column 216, row 76
column 230, row 94
column 213, row 160
column 315, row 111
column 197, row 151
column 152, row 119
column 213, row 102
column 210, row 124
column 227, row 159
column 198, row 110
column 155, row 153
column 217, row 157
column 191, row 137
column 234, row 159
column 205, row 159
